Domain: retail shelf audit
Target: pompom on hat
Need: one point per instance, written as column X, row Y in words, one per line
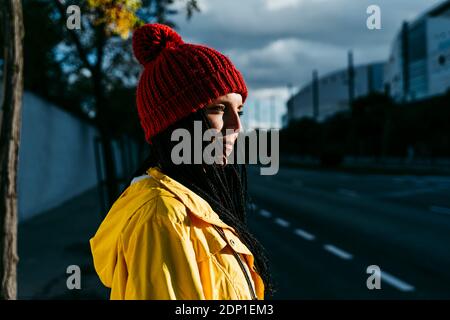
column 178, row 78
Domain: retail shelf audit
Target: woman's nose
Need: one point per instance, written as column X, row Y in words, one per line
column 233, row 121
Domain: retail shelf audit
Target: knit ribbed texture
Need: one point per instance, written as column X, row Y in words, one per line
column 178, row 78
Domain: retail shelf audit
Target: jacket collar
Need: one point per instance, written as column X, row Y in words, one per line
column 197, row 205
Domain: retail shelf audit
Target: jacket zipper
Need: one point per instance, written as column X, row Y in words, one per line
column 241, row 264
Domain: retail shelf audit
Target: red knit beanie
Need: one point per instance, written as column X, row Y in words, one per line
column 178, row 78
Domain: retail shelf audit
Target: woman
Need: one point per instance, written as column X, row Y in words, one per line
column 179, row 231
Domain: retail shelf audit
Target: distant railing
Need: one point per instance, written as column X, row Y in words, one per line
column 126, row 159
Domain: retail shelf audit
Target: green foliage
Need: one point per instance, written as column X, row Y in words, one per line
column 56, row 71
column 422, row 125
column 43, row 73
column 303, row 136
column 376, row 127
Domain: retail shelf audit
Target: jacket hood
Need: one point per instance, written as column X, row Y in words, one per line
column 104, row 244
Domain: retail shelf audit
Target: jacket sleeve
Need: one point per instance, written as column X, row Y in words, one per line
column 161, row 260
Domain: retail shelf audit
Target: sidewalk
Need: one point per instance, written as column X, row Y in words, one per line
column 50, row 242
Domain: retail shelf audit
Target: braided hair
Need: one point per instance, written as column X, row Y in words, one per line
column 223, row 187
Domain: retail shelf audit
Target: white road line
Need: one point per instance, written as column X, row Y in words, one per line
column 395, row 282
column 305, row 235
column 438, row 209
column 265, row 213
column 338, row 252
column 282, row 222
column 346, row 192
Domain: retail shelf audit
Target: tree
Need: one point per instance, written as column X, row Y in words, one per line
column 9, row 143
column 103, row 58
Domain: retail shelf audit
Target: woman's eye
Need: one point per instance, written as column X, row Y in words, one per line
column 218, row 108
column 240, row 113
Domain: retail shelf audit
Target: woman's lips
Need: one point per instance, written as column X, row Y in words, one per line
column 228, row 148
column 229, row 145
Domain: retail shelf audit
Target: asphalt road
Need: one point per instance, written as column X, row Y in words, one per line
column 323, row 229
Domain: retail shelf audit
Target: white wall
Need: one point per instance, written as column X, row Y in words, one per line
column 438, row 34
column 56, row 157
column 393, row 74
column 333, row 91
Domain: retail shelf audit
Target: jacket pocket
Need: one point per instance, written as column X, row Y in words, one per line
column 221, row 274
column 207, row 243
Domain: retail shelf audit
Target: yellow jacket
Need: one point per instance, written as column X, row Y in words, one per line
column 160, row 240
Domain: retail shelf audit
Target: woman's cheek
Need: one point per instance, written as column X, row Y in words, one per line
column 217, row 122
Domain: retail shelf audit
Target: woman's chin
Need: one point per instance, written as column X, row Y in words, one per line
column 222, row 162
column 225, row 155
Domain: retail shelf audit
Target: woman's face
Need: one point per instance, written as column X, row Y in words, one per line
column 224, row 113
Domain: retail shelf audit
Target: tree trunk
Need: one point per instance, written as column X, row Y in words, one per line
column 101, row 119
column 100, row 101
column 9, row 144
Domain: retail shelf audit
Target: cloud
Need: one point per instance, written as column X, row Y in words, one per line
column 273, row 5
column 285, row 61
column 250, row 24
column 274, row 42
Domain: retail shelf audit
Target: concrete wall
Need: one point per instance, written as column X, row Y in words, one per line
column 56, row 157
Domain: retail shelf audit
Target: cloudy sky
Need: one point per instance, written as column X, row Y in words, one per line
column 276, row 42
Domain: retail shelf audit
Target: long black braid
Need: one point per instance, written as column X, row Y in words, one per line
column 223, row 187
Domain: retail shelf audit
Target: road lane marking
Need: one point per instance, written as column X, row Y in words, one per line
column 282, row 222
column 338, row 252
column 346, row 192
column 305, row 235
column 395, row 282
column 265, row 213
column 438, row 209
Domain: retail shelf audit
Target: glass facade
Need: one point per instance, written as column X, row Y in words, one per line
column 417, row 55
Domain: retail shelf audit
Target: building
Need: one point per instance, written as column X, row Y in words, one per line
column 331, row 93
column 418, row 67
column 419, row 62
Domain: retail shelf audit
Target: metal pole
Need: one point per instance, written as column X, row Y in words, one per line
column 315, row 95
column 405, row 60
column 272, row 112
column 351, row 79
column 257, row 114
column 370, row 88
